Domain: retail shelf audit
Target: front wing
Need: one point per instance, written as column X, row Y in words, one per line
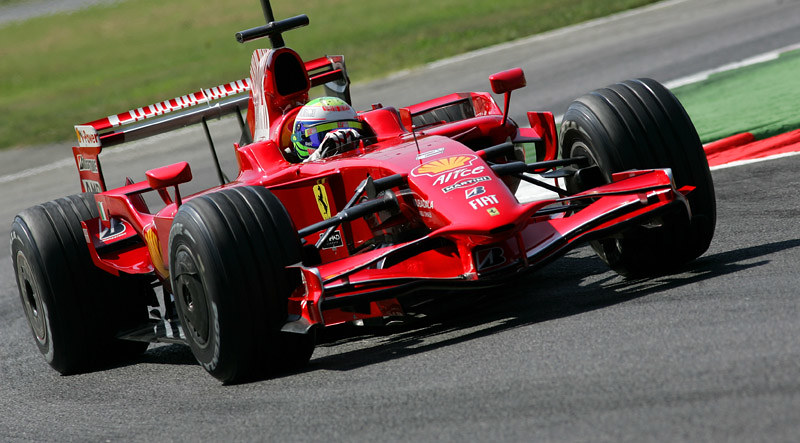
column 369, row 283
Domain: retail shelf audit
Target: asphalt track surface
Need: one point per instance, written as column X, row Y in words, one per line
column 24, row 10
column 571, row 353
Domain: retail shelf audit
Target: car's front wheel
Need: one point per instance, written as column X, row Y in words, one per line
column 640, row 124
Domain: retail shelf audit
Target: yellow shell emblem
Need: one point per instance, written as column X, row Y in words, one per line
column 444, row 164
column 154, row 248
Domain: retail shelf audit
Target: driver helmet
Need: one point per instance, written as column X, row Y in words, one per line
column 316, row 119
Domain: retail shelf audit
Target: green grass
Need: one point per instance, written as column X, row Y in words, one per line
column 57, row 71
column 763, row 99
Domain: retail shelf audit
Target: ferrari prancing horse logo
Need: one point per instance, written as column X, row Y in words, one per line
column 322, row 199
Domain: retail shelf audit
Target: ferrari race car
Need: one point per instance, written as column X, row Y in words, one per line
column 423, row 204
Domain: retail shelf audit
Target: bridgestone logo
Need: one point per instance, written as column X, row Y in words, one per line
column 465, row 183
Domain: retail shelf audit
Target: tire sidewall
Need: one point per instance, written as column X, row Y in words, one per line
column 35, row 245
column 24, row 255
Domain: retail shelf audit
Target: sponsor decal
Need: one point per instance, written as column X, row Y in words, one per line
column 87, row 136
column 489, row 258
column 154, row 248
column 482, row 202
column 438, row 166
column 321, row 196
column 457, row 174
column 428, row 154
column 335, row 108
column 115, row 231
column 182, row 102
column 333, row 241
column 91, row 186
column 493, row 211
column 423, row 204
column 465, row 183
column 474, row 192
column 87, row 164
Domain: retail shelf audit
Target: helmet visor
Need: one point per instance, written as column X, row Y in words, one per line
column 312, row 137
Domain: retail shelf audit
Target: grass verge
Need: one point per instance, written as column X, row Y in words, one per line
column 70, row 68
column 762, row 99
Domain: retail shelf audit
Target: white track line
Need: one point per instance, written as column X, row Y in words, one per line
column 109, row 152
column 542, row 36
column 761, row 58
column 528, row 192
column 754, row 160
column 37, row 170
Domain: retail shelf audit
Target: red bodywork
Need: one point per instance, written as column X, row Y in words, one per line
column 457, row 224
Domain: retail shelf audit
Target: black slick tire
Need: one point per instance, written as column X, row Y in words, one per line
column 640, row 124
column 228, row 256
column 74, row 309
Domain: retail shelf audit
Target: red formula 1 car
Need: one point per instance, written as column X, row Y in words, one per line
column 421, row 205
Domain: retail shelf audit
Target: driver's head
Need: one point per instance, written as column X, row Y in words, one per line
column 317, row 118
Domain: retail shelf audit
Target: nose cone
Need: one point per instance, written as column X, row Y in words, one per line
column 461, row 192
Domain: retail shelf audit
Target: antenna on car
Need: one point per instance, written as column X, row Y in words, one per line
column 273, row 29
column 267, row 8
column 414, row 134
column 275, row 40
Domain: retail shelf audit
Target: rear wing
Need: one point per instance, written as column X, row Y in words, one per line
column 230, row 98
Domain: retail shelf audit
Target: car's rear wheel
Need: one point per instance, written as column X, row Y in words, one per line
column 75, row 310
column 640, row 124
column 228, row 256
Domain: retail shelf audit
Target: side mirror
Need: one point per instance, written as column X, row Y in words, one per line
column 505, row 82
column 172, row 175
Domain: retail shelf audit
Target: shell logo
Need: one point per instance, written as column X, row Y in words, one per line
column 438, row 166
column 154, row 248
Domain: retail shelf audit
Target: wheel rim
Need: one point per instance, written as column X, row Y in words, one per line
column 31, row 299
column 608, row 249
column 579, row 149
column 192, row 299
